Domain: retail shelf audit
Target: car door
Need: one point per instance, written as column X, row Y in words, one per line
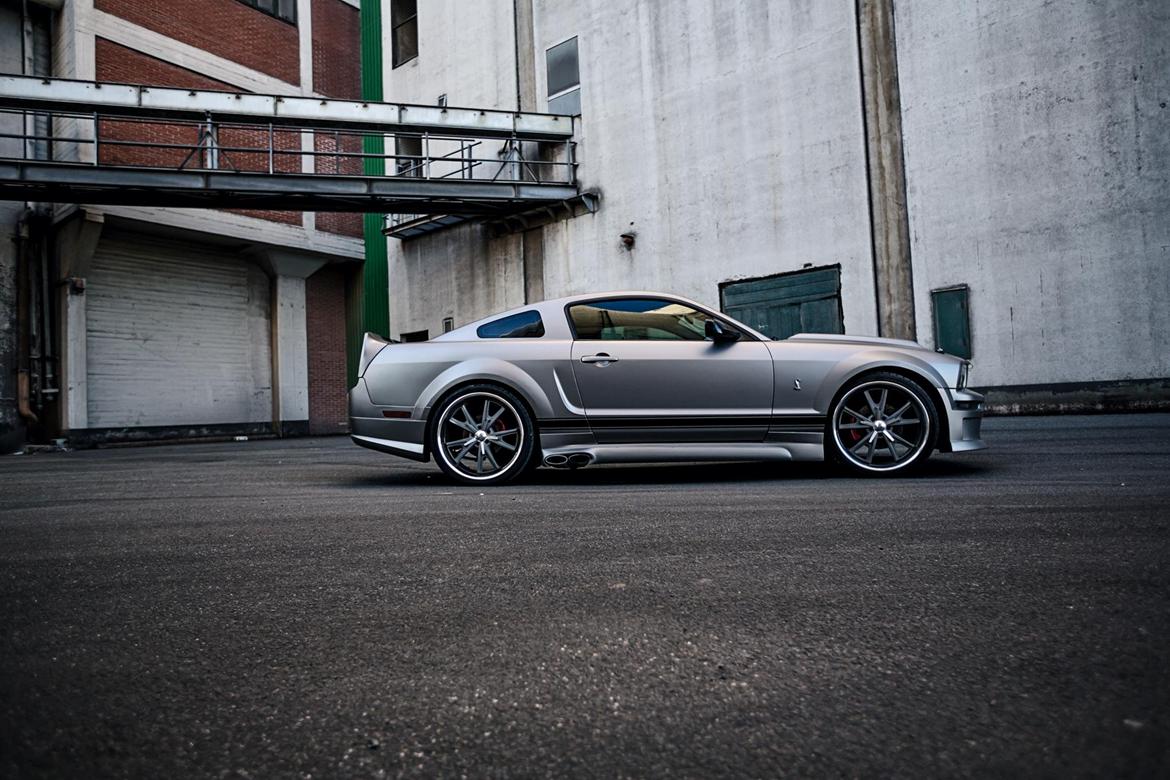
column 647, row 373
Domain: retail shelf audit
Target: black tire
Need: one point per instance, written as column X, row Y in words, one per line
column 881, row 424
column 482, row 435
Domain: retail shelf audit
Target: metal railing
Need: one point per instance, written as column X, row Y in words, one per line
column 108, row 138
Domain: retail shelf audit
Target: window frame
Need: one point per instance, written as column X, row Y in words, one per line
column 275, row 13
column 745, row 334
column 551, row 96
column 539, row 322
column 395, row 62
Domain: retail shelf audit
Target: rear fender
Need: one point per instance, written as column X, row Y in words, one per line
column 492, row 370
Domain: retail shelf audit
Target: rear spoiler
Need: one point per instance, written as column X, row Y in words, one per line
column 372, row 344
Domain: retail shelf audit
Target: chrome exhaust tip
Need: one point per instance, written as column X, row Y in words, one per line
column 557, row 461
column 579, row 460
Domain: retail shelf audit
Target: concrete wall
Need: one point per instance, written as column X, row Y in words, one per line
column 1038, row 167
column 727, row 137
column 467, row 52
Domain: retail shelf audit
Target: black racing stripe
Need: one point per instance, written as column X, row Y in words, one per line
column 786, row 423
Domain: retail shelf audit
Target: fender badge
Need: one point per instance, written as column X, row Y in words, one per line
column 795, row 384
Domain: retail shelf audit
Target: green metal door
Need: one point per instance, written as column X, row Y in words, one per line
column 786, row 304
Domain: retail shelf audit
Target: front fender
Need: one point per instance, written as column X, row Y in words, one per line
column 873, row 360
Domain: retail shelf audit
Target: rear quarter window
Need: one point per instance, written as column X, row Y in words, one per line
column 525, row 325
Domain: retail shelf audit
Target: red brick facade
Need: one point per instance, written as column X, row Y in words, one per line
column 325, row 322
column 118, row 63
column 337, row 57
column 337, row 72
column 226, row 28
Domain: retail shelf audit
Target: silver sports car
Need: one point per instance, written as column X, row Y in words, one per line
column 643, row 377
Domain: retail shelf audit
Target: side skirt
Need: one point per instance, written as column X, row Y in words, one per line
column 675, row 453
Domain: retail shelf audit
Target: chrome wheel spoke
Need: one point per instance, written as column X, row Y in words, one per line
column 855, row 426
column 466, row 449
column 504, row 444
column 487, row 450
column 900, row 440
column 889, row 442
column 874, row 409
column 904, row 421
column 858, row 416
column 460, row 442
column 861, row 444
column 479, row 460
column 896, row 416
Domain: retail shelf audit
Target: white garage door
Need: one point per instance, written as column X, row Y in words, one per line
column 176, row 335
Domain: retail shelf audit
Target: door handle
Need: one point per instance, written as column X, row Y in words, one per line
column 601, row 359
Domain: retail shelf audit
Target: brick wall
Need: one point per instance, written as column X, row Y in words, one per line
column 226, row 28
column 337, row 72
column 325, row 322
column 118, row 63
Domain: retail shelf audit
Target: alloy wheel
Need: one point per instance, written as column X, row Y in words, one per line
column 480, row 436
column 881, row 426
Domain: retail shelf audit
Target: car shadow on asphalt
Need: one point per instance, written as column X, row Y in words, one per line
column 666, row 474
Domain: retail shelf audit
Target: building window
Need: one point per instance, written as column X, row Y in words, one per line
column 281, row 9
column 414, row 335
column 404, row 30
column 564, row 78
column 951, row 312
column 448, row 324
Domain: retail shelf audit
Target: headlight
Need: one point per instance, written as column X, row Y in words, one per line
column 964, row 370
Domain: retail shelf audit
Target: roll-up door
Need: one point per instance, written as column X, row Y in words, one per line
column 176, row 335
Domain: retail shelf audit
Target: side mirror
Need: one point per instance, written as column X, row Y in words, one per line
column 721, row 333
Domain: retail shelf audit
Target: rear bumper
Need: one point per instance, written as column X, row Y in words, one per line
column 964, row 423
column 370, row 428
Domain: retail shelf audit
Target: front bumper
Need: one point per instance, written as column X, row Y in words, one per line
column 964, row 422
column 369, row 427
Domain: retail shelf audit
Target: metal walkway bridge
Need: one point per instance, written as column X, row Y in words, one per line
column 113, row 144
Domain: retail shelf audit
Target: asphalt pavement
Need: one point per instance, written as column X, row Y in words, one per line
column 308, row 608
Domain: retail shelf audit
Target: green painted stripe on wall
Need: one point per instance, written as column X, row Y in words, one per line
column 369, row 308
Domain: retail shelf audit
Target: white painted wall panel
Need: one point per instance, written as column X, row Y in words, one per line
column 728, row 136
column 177, row 335
column 1038, row 172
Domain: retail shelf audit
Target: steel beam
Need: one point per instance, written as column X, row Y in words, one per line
column 86, row 97
column 74, row 183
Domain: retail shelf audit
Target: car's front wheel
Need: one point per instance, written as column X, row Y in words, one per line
column 482, row 435
column 882, row 424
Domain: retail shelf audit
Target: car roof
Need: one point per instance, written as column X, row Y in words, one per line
column 549, row 309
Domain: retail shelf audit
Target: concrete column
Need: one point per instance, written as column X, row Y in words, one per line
column 290, row 355
column 76, row 242
column 290, row 337
column 882, row 116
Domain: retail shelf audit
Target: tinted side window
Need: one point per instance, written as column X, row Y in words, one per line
column 525, row 325
column 638, row 319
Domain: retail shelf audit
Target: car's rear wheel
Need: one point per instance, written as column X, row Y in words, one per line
column 482, row 435
column 882, row 424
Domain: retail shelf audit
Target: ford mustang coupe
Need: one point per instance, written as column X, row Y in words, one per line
column 646, row 377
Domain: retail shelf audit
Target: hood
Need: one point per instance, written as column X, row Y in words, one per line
column 830, row 338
